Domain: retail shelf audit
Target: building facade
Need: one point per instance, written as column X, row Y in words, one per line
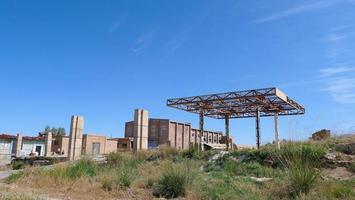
column 175, row 134
column 7, row 143
column 97, row 144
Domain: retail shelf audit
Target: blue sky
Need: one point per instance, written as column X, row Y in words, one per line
column 103, row 59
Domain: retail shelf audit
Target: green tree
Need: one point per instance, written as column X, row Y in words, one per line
column 54, row 130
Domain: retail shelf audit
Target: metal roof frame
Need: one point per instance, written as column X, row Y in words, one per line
column 239, row 104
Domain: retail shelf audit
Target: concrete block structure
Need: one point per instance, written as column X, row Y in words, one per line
column 124, row 144
column 140, row 130
column 18, row 145
column 7, row 143
column 48, row 148
column 60, row 145
column 33, row 146
column 76, row 137
column 97, row 145
column 174, row 134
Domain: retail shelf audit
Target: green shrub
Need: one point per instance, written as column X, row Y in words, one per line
column 216, row 191
column 301, row 162
column 107, row 184
column 342, row 192
column 149, row 183
column 125, row 176
column 171, row 184
column 351, row 167
column 190, row 153
column 335, row 189
column 313, row 153
column 249, row 169
column 83, row 168
column 18, row 164
column 302, row 177
column 114, row 158
column 15, row 177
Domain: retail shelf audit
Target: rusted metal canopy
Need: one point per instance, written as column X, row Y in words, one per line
column 240, row 104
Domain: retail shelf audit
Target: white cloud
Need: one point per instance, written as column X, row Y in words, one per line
column 145, row 40
column 298, row 10
column 175, row 43
column 342, row 89
column 114, row 27
column 340, row 83
column 331, row 71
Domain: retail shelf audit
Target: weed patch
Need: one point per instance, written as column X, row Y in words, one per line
column 15, row 177
column 171, row 184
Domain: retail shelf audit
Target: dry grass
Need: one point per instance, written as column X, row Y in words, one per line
column 145, row 170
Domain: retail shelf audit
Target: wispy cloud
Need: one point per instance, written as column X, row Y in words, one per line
column 342, row 89
column 118, row 23
column 298, row 10
column 331, row 71
column 176, row 42
column 145, row 40
column 340, row 83
column 337, row 37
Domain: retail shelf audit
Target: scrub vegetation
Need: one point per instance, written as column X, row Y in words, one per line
column 293, row 172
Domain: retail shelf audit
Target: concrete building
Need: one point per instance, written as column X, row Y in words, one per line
column 124, row 144
column 97, row 145
column 175, row 134
column 60, row 145
column 33, row 146
column 75, row 137
column 7, row 143
column 140, row 130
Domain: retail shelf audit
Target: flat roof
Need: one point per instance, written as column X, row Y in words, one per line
column 240, row 104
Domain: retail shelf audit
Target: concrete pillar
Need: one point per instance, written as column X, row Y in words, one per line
column 227, row 131
column 140, row 130
column 18, row 145
column 276, row 120
column 201, row 129
column 258, row 128
column 76, row 137
column 48, row 148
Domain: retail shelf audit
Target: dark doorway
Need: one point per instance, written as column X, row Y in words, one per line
column 38, row 150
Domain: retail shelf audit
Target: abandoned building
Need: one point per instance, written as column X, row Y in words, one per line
column 176, row 134
column 140, row 134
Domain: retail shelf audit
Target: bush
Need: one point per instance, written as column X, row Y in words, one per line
column 14, row 177
column 351, row 167
column 335, row 189
column 171, row 184
column 313, row 153
column 107, row 184
column 125, row 176
column 302, row 177
column 248, row 169
column 149, row 183
column 252, row 155
column 83, row 168
column 301, row 162
column 190, row 153
column 18, row 164
column 114, row 158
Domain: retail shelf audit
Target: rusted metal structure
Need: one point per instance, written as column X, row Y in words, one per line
column 240, row 104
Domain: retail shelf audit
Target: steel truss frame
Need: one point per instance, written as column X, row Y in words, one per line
column 240, row 104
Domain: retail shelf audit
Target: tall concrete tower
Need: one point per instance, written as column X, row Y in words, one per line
column 140, row 130
column 48, row 144
column 76, row 137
